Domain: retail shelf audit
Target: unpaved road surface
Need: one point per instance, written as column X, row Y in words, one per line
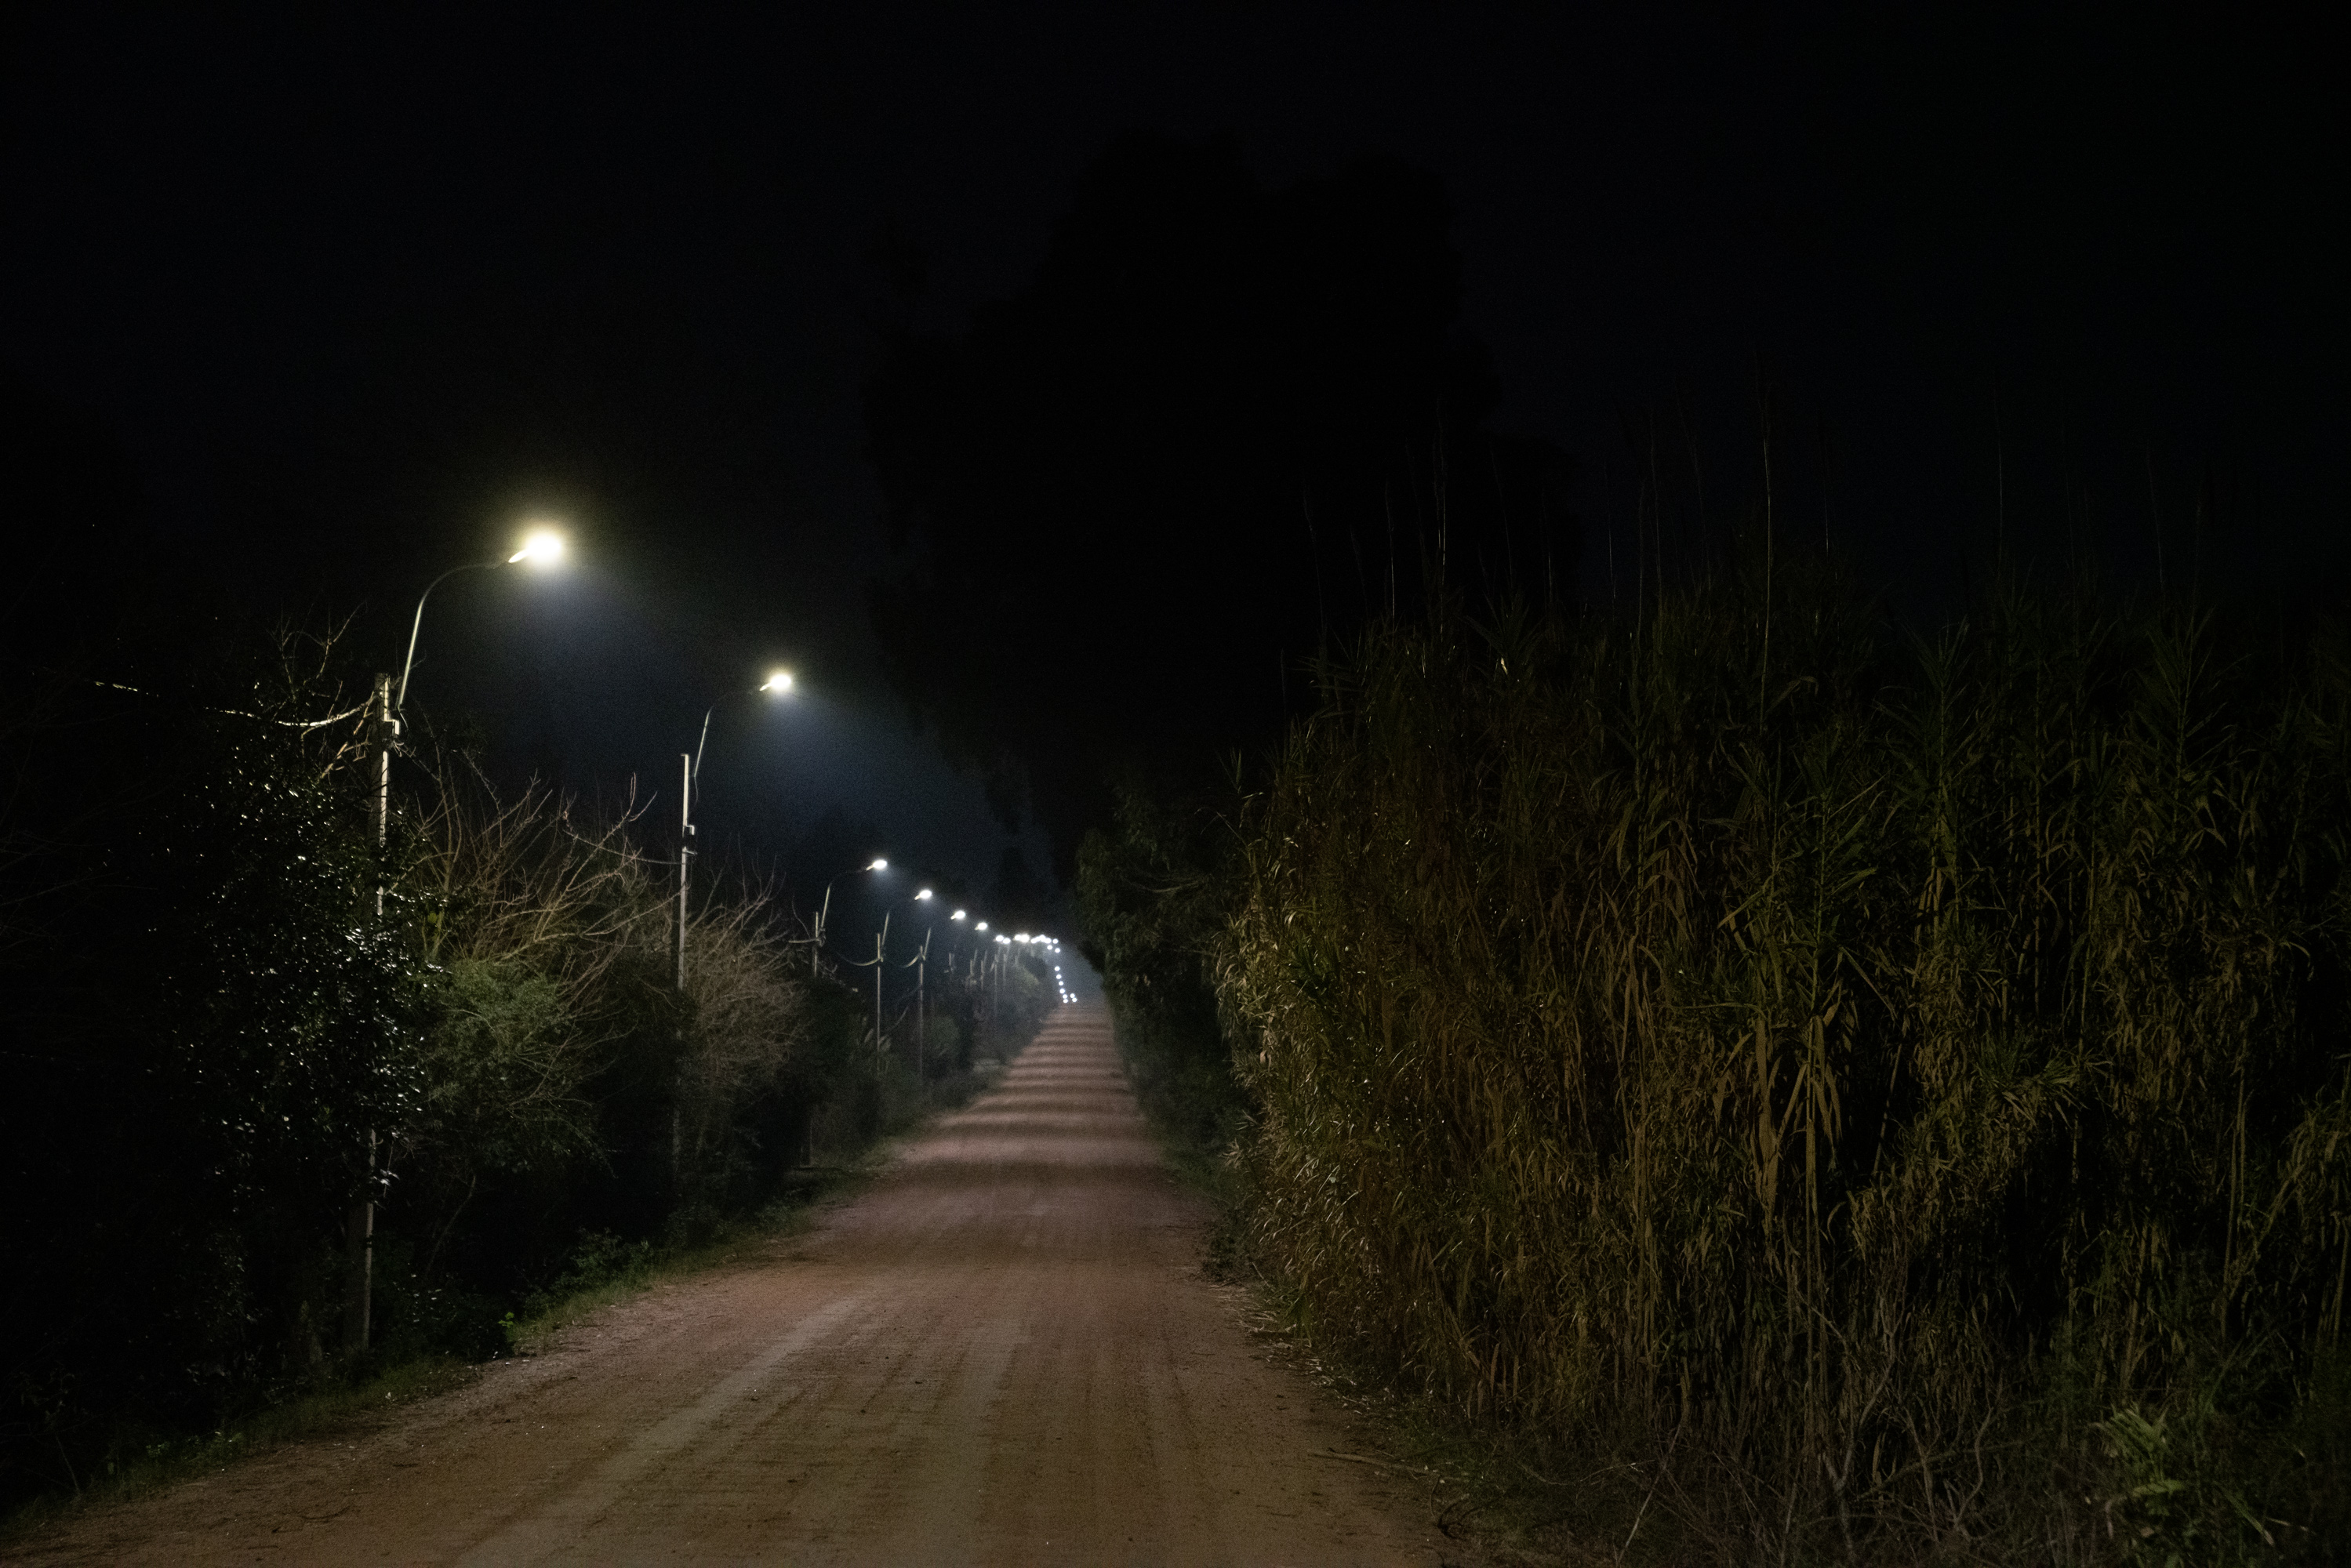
column 1004, row 1351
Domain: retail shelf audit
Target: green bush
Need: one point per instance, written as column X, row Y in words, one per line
column 1155, row 893
column 241, row 1017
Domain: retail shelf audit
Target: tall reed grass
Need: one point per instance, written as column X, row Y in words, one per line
column 1889, row 1091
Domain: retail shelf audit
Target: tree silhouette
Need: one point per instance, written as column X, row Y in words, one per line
column 1221, row 428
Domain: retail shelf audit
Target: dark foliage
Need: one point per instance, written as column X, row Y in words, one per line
column 216, row 1047
column 205, row 1022
column 1156, row 893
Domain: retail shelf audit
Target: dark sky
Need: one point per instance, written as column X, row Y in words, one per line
column 353, row 294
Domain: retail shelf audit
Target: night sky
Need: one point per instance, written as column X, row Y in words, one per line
column 344, row 298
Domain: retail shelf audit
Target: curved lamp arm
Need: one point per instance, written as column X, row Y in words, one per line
column 878, row 865
column 777, row 684
column 543, row 544
column 400, row 703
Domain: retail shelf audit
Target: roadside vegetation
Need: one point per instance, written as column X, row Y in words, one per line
column 1155, row 893
column 241, row 1032
column 1790, row 1090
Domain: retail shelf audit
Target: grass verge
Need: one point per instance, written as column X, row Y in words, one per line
column 605, row 1273
column 1501, row 1496
column 142, row 1462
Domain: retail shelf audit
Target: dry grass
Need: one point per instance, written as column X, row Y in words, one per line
column 1895, row 1096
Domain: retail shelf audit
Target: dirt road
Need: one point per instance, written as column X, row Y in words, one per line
column 1004, row 1351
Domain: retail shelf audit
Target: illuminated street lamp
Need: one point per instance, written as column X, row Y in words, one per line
column 815, row 939
column 881, row 947
column 922, row 966
column 777, row 684
column 541, row 546
column 960, row 917
column 919, row 963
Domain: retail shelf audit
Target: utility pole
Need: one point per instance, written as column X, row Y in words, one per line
column 880, row 943
column 540, row 548
column 387, row 731
column 684, row 854
column 684, row 860
column 358, row 1237
column 921, row 1017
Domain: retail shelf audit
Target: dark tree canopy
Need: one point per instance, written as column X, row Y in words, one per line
column 1221, row 428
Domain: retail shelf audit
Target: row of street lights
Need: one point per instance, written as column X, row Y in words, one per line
column 920, row 964
column 542, row 547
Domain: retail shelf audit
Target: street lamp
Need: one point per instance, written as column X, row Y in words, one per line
column 881, row 947
column 541, row 546
column 922, row 992
column 778, row 684
column 919, row 963
column 816, row 940
column 959, row 916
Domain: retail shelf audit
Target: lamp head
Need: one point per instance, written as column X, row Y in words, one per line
column 879, row 864
column 777, row 684
column 957, row 916
column 922, row 895
column 981, row 927
column 540, row 546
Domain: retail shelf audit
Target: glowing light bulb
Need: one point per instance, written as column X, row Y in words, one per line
column 540, row 546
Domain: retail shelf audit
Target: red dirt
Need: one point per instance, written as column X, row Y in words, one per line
column 1004, row 1351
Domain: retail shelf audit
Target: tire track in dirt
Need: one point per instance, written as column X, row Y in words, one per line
column 1004, row 1351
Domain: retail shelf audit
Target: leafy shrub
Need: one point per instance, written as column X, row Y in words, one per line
column 1155, row 893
